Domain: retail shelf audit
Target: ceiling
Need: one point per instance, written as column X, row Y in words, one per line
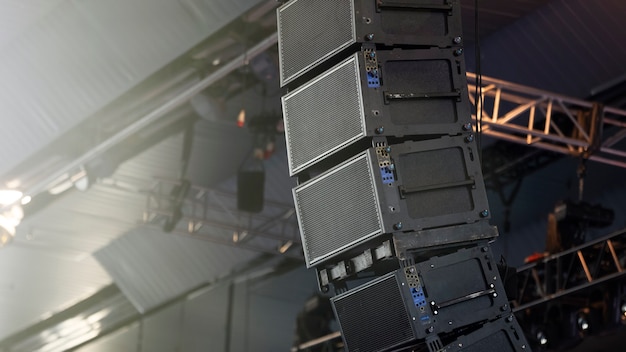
column 141, row 97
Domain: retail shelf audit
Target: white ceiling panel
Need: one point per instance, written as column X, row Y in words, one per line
column 61, row 64
column 49, row 265
column 37, row 283
column 151, row 267
column 18, row 15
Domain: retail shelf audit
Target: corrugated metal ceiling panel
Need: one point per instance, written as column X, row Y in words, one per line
column 52, row 249
column 18, row 15
column 27, row 274
column 82, row 54
column 151, row 267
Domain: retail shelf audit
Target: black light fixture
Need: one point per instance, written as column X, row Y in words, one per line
column 251, row 185
column 542, row 337
column 582, row 321
column 177, row 197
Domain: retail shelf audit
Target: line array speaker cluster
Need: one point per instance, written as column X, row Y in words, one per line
column 390, row 200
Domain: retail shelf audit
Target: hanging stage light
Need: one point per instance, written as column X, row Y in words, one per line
column 542, row 338
column 582, row 321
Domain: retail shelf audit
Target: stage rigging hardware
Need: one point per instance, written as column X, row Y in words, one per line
column 390, row 199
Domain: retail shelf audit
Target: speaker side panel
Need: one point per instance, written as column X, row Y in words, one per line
column 501, row 335
column 440, row 182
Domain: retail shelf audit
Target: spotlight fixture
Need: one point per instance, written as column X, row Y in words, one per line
column 582, row 321
column 239, row 236
column 542, row 338
column 241, row 118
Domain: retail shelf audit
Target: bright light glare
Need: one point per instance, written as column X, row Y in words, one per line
column 9, row 196
column 10, row 219
column 5, row 237
column 543, row 339
column 11, row 214
column 98, row 316
column 582, row 323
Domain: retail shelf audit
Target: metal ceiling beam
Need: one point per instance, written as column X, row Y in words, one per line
column 122, row 314
column 154, row 115
column 197, row 214
column 571, row 271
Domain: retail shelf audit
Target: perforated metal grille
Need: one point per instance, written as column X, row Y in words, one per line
column 444, row 166
column 311, row 31
column 324, row 115
column 421, row 23
column 337, row 210
column 373, row 317
column 499, row 341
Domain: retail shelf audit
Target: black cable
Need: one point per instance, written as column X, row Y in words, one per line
column 478, row 92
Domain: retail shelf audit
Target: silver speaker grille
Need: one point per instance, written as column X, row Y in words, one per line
column 324, row 115
column 311, row 31
column 338, row 209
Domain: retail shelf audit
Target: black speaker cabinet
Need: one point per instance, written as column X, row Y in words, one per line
column 384, row 254
column 436, row 296
column 311, row 32
column 375, row 92
column 502, row 335
column 250, row 190
column 402, row 187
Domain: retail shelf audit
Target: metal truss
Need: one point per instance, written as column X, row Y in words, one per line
column 328, row 343
column 550, row 121
column 571, row 271
column 212, row 215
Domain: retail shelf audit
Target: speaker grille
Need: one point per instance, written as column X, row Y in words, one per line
column 496, row 342
column 373, row 317
column 443, row 166
column 337, row 209
column 311, row 31
column 324, row 115
column 422, row 77
column 500, row 335
column 421, row 23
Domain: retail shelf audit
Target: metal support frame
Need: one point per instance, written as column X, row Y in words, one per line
column 571, row 271
column 211, row 215
column 329, row 339
column 179, row 99
column 550, row 121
